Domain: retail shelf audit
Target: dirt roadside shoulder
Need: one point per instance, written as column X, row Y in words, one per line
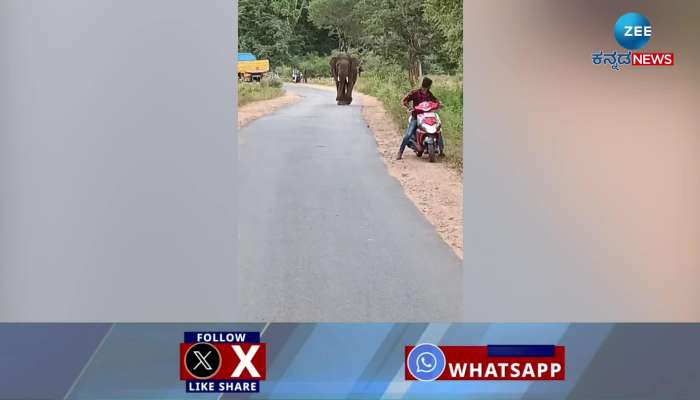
column 439, row 199
column 252, row 111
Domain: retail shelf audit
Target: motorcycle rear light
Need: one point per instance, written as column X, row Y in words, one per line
column 429, row 129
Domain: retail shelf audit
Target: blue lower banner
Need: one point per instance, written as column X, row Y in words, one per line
column 349, row 361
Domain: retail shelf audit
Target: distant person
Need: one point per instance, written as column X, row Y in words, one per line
column 417, row 96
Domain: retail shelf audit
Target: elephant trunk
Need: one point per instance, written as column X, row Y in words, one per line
column 343, row 70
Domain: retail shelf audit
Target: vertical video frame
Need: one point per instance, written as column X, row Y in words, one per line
column 350, row 160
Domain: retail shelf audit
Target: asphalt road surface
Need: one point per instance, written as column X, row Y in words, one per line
column 325, row 233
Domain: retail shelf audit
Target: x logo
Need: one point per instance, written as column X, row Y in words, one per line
column 202, row 360
column 246, row 361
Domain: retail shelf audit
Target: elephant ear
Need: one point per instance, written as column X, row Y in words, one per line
column 334, row 68
column 355, row 66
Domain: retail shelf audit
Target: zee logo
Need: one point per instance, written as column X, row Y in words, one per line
column 637, row 30
column 633, row 31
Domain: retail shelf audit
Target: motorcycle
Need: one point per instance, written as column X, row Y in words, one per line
column 428, row 130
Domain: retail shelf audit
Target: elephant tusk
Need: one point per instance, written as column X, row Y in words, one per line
column 347, row 80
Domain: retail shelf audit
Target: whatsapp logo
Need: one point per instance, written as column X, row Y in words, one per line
column 426, row 362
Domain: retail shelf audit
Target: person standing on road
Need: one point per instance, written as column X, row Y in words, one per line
column 417, row 96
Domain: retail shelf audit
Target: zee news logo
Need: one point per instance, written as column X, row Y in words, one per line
column 633, row 31
column 222, row 362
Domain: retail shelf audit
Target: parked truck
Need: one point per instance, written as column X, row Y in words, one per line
column 250, row 68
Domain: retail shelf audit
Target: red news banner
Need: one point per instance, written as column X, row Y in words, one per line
column 653, row 59
column 495, row 363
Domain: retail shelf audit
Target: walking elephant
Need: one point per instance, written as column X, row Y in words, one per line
column 345, row 70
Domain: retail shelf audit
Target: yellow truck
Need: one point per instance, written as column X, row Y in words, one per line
column 253, row 70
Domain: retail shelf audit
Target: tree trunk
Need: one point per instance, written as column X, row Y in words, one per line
column 341, row 42
column 411, row 75
column 414, row 68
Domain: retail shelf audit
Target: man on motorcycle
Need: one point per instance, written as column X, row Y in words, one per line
column 417, row 96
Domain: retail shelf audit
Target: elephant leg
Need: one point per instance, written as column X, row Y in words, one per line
column 342, row 87
column 338, row 93
column 346, row 93
column 350, row 85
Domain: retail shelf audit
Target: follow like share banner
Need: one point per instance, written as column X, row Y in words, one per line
column 355, row 361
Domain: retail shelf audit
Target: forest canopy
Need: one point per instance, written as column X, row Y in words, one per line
column 416, row 35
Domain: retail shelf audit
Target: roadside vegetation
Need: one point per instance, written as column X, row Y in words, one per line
column 267, row 88
column 390, row 88
column 397, row 41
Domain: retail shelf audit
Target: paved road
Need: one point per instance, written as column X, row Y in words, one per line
column 325, row 233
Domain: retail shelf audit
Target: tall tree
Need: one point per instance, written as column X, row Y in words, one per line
column 266, row 27
column 339, row 17
column 311, row 39
column 447, row 17
column 399, row 31
column 291, row 10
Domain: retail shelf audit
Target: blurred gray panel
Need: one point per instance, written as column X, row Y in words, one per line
column 117, row 160
column 582, row 184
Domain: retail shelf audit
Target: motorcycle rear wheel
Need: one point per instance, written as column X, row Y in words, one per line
column 432, row 152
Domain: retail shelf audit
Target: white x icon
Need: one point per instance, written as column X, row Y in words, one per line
column 246, row 361
column 202, row 360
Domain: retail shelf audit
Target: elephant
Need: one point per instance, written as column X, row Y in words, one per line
column 345, row 70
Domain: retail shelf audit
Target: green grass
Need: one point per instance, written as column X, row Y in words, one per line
column 249, row 92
